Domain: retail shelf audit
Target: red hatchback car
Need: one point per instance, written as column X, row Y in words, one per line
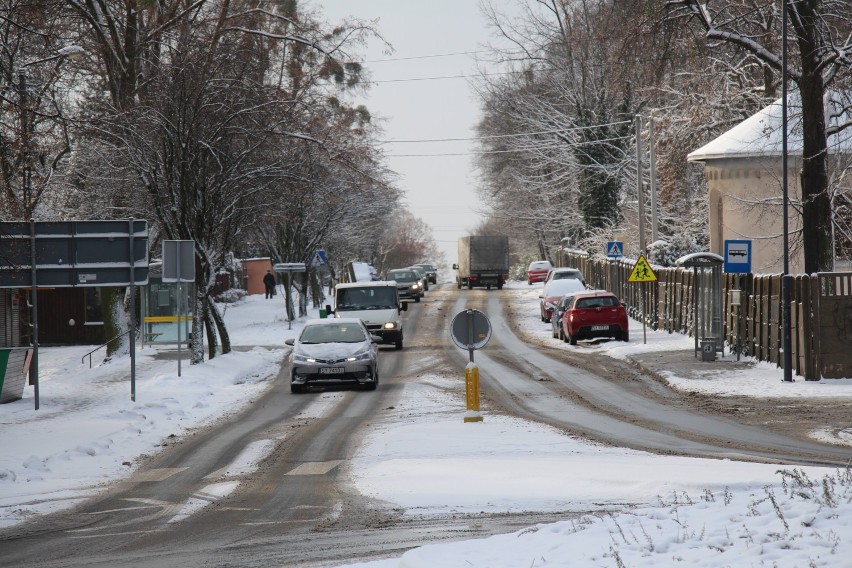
column 538, row 270
column 594, row 314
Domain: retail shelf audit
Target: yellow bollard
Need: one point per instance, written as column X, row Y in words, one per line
column 471, row 379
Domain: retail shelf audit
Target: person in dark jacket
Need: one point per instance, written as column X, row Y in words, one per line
column 269, row 282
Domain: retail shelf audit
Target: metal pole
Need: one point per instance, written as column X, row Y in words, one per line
column 34, row 312
column 132, row 314
column 179, row 295
column 639, row 189
column 653, row 159
column 786, row 279
column 289, row 299
column 470, row 333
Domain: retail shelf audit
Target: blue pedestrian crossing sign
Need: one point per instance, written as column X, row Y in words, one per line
column 615, row 249
column 319, row 259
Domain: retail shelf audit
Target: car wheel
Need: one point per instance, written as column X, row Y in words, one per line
column 398, row 344
column 417, row 299
column 572, row 339
column 560, row 335
column 625, row 336
column 295, row 389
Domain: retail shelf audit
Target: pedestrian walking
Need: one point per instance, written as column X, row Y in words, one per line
column 269, row 282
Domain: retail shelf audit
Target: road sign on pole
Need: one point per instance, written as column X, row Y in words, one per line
column 615, row 249
column 471, row 330
column 642, row 271
column 737, row 257
column 289, row 268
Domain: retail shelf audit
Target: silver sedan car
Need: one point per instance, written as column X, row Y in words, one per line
column 334, row 353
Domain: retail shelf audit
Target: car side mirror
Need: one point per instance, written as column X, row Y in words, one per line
column 328, row 309
column 541, row 297
column 455, row 267
column 375, row 338
column 403, row 306
column 289, row 342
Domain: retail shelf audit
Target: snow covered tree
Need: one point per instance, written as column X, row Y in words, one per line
column 820, row 32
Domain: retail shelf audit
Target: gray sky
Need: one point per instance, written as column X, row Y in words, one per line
column 439, row 189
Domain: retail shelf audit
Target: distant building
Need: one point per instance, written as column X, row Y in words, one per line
column 743, row 168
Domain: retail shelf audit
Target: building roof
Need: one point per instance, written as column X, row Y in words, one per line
column 760, row 134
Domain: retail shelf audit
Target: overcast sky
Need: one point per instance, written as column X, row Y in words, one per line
column 439, row 189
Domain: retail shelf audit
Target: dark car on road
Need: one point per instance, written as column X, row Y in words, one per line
column 408, row 282
column 431, row 272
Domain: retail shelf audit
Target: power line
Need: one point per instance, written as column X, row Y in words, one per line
column 473, row 153
column 431, row 56
column 494, row 136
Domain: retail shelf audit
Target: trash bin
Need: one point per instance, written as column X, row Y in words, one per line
column 708, row 349
column 323, row 314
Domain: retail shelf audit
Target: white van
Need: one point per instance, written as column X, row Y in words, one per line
column 375, row 303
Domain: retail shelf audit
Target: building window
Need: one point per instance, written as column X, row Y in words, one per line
column 94, row 311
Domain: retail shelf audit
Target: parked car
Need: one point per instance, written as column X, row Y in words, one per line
column 556, row 316
column 595, row 314
column 553, row 292
column 431, row 272
column 424, row 278
column 333, row 353
column 537, row 271
column 563, row 273
column 408, row 282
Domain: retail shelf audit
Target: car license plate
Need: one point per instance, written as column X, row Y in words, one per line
column 331, row 370
column 600, row 327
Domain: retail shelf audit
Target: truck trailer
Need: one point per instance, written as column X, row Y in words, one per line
column 483, row 261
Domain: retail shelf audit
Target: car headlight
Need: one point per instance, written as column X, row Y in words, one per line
column 390, row 325
column 415, row 286
column 360, row 356
column 303, row 359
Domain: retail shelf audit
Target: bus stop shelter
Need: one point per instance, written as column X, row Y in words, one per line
column 708, row 308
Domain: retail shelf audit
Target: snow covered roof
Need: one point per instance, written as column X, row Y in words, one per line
column 760, row 134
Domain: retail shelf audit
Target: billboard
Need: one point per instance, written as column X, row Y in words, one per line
column 73, row 253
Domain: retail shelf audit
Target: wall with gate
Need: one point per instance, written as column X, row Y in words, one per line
column 821, row 311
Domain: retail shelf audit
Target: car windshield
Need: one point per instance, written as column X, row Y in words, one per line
column 427, row 267
column 373, row 298
column 402, row 276
column 332, row 333
column 539, row 265
column 601, row 302
column 561, row 275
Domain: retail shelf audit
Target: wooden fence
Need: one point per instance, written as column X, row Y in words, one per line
column 821, row 311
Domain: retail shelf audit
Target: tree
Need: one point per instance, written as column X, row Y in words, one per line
column 821, row 35
column 34, row 116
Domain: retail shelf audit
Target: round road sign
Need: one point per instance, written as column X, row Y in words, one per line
column 470, row 329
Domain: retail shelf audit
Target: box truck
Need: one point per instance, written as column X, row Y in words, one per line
column 483, row 261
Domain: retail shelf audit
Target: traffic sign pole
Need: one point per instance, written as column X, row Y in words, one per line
column 471, row 330
column 641, row 273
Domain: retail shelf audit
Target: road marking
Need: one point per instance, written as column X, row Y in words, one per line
column 116, row 534
column 247, row 461
column 122, row 510
column 208, row 495
column 315, row 468
column 159, row 474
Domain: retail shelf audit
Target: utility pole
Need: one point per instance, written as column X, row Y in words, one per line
column 639, row 179
column 653, row 159
column 786, row 278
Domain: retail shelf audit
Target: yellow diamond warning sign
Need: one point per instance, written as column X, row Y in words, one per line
column 642, row 272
